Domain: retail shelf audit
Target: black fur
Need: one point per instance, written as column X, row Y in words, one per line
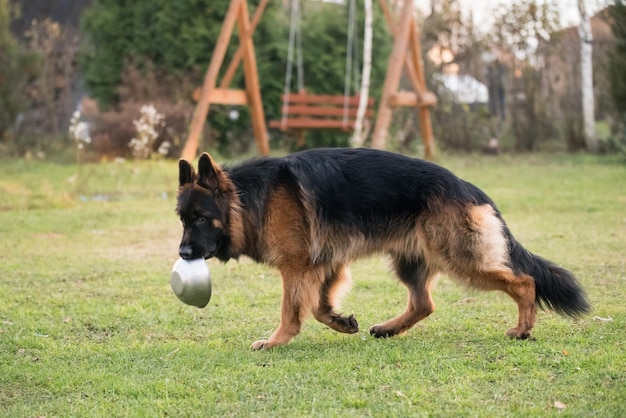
column 555, row 287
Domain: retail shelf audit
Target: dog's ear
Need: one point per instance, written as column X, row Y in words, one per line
column 208, row 172
column 186, row 174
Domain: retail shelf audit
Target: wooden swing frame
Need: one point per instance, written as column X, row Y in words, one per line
column 406, row 54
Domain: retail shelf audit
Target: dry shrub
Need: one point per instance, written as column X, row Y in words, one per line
column 113, row 129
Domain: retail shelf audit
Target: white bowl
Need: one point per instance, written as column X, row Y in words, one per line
column 191, row 282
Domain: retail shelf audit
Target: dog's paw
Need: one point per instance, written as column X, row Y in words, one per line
column 517, row 334
column 380, row 331
column 259, row 345
column 347, row 324
column 354, row 325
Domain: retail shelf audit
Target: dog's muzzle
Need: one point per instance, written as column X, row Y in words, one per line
column 185, row 252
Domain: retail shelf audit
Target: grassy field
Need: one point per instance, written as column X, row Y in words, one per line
column 90, row 327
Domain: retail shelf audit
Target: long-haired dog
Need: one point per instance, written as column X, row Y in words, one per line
column 311, row 213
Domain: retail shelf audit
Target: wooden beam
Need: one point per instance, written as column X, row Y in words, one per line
column 223, row 96
column 202, row 108
column 412, row 99
column 229, row 97
column 426, row 128
column 411, row 72
column 424, row 113
column 251, row 76
column 414, row 65
column 234, row 63
column 394, row 71
column 416, row 56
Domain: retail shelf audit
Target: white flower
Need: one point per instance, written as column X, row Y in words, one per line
column 79, row 130
column 164, row 148
column 146, row 131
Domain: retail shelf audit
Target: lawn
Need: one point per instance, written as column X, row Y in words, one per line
column 90, row 327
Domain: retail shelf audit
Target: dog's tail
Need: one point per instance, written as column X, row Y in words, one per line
column 555, row 287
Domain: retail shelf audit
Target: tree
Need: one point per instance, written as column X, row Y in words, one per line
column 57, row 46
column 455, row 47
column 586, row 71
column 171, row 38
column 518, row 31
column 357, row 137
column 617, row 69
column 8, row 72
column 16, row 68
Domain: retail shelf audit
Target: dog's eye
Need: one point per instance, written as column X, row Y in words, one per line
column 201, row 219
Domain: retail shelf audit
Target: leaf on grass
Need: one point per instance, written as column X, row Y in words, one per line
column 170, row 354
column 466, row 300
column 67, row 320
column 565, row 353
column 559, row 405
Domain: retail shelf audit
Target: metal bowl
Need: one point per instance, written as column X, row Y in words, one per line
column 191, row 282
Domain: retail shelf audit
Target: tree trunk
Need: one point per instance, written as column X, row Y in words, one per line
column 357, row 139
column 586, row 71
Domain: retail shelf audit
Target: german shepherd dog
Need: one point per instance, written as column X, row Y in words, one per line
column 313, row 212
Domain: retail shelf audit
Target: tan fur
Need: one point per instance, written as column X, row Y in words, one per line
column 286, row 246
column 471, row 238
column 340, row 288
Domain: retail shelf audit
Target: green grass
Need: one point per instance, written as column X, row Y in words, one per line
column 90, row 327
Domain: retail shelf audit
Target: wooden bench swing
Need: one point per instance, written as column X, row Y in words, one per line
column 303, row 110
column 318, row 111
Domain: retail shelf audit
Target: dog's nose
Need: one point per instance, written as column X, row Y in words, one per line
column 185, row 251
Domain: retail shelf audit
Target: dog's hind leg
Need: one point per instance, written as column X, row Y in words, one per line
column 418, row 278
column 477, row 253
column 301, row 287
column 336, row 283
column 522, row 289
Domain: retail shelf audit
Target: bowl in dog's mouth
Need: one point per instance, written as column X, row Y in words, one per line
column 191, row 282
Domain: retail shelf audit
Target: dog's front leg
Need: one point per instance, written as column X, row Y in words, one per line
column 301, row 289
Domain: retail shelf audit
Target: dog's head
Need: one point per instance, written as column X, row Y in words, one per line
column 204, row 204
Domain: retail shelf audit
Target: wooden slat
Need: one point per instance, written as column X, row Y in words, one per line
column 338, row 112
column 323, row 98
column 309, row 123
column 320, row 111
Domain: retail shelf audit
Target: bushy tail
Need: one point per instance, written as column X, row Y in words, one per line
column 555, row 287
